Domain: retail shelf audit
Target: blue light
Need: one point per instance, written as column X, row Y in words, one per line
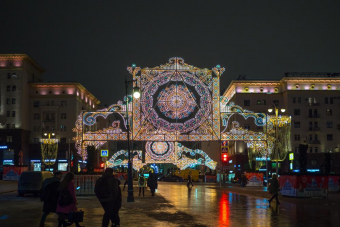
column 218, row 66
column 3, row 147
column 133, row 65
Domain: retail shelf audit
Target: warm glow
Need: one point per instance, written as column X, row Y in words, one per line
column 270, row 110
column 136, row 92
column 283, row 110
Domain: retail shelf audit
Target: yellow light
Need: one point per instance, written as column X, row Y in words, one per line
column 136, row 92
column 45, row 134
column 270, row 110
column 53, row 134
column 283, row 110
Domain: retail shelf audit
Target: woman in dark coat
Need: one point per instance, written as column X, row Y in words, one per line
column 152, row 183
column 274, row 188
column 116, row 207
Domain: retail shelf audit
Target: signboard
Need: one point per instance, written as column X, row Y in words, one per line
column 104, row 153
column 291, row 156
column 225, row 147
column 13, row 172
column 255, row 179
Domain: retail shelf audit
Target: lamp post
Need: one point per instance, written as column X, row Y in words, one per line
column 136, row 94
column 276, row 134
column 49, row 148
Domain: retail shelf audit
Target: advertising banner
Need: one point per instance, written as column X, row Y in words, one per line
column 255, row 179
column 333, row 183
column 12, row 173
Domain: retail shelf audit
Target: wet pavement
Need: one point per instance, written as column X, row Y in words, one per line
column 175, row 205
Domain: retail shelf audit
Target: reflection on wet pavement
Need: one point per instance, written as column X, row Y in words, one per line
column 214, row 207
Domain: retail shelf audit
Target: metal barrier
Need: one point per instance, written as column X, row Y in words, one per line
column 85, row 183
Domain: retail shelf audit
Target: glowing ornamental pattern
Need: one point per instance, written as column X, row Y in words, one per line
column 159, row 150
column 176, row 102
column 49, row 150
column 178, row 156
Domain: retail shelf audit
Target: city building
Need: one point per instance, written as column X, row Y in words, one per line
column 31, row 108
column 313, row 102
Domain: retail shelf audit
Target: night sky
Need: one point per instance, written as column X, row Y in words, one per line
column 92, row 42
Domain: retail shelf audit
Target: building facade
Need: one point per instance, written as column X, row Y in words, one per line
column 313, row 101
column 30, row 108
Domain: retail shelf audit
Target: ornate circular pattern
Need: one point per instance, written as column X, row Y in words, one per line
column 176, row 102
column 182, row 102
column 159, row 150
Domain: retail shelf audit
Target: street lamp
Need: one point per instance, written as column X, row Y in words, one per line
column 276, row 134
column 136, row 94
column 49, row 148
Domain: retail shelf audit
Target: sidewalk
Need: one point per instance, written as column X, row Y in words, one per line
column 8, row 186
column 331, row 202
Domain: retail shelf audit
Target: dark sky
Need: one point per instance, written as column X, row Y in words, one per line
column 93, row 42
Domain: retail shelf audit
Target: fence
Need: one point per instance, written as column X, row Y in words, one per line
column 85, row 183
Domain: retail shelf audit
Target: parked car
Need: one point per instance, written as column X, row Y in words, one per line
column 172, row 178
column 31, row 182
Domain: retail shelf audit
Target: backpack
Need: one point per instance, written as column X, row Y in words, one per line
column 65, row 198
column 141, row 181
column 101, row 188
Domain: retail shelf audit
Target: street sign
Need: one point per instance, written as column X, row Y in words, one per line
column 104, row 153
column 291, row 156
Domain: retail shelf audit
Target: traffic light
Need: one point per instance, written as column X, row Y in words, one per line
column 224, row 157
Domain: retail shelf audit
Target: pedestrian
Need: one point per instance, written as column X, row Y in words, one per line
column 141, row 183
column 274, row 188
column 152, row 183
column 116, row 207
column 244, row 180
column 106, row 190
column 50, row 195
column 67, row 200
column 189, row 180
column 126, row 181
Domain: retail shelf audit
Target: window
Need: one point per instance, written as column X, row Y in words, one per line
column 63, row 140
column 9, row 138
column 294, row 100
column 326, row 100
column 310, row 112
column 313, row 162
column 13, row 126
column 297, row 124
column 13, row 113
column 13, row 100
column 329, row 137
column 246, row 102
column 264, row 102
column 297, row 137
column 36, row 103
column 247, row 127
column 310, row 137
column 8, row 101
column 276, row 102
column 52, row 103
column 329, row 112
column 299, row 99
column 63, row 103
column 315, row 137
column 7, row 126
column 63, row 116
column 52, row 116
column 14, row 88
column 34, row 128
column 14, row 75
column 36, row 116
column 258, row 102
column 296, row 111
column 36, row 140
column 8, row 113
column 8, row 75
column 64, row 128
column 310, row 149
column 8, row 88
column 329, row 124
column 316, row 149
column 331, row 100
column 296, row 149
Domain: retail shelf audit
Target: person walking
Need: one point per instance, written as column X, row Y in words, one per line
column 141, row 183
column 116, row 207
column 152, row 183
column 106, row 190
column 126, row 181
column 189, row 180
column 274, row 188
column 50, row 195
column 67, row 200
column 244, row 180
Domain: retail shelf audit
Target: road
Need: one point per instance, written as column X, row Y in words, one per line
column 175, row 205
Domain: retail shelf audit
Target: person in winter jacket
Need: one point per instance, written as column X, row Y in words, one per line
column 63, row 210
column 274, row 188
column 141, row 183
column 50, row 195
column 152, row 183
column 108, row 197
column 116, row 207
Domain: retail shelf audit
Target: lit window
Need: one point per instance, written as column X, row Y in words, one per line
column 258, row 102
column 329, row 112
